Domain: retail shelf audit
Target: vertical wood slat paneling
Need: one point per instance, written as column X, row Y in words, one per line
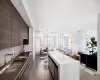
column 24, row 31
column 12, row 26
column 5, row 25
column 21, row 28
column 15, row 28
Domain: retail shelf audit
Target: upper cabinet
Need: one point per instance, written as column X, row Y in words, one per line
column 12, row 27
column 5, row 24
column 15, row 28
column 24, row 31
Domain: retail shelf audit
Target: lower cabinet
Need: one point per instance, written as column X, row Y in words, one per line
column 26, row 73
column 53, row 69
column 56, row 73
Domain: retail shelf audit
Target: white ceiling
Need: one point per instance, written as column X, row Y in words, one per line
column 63, row 15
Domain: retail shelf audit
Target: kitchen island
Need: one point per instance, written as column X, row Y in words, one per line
column 63, row 67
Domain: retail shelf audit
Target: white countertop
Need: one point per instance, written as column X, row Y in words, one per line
column 68, row 68
column 60, row 58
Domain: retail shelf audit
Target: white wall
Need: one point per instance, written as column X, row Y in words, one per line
column 16, row 50
column 83, row 36
column 74, row 42
column 98, row 43
column 34, row 44
column 37, row 45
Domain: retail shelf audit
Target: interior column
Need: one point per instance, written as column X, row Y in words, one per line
column 98, row 43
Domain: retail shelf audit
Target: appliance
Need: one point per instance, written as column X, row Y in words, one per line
column 25, row 41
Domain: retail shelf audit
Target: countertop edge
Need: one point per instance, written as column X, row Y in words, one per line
column 23, row 66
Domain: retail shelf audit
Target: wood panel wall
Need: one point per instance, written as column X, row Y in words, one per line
column 12, row 27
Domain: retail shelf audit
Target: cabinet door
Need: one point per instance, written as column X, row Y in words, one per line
column 5, row 24
column 21, row 31
column 51, row 67
column 56, row 73
column 24, row 31
column 15, row 28
column 26, row 74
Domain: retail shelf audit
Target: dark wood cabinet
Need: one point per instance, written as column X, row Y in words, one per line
column 26, row 74
column 5, row 24
column 56, row 73
column 53, row 69
column 12, row 26
column 21, row 31
column 15, row 28
column 24, row 31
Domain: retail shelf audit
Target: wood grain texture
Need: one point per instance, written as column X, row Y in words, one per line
column 12, row 29
column 15, row 28
column 24, row 31
column 21, row 31
column 5, row 25
column 26, row 74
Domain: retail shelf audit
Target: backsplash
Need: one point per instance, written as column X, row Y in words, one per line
column 16, row 50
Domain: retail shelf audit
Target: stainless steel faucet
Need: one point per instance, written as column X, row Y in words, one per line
column 6, row 56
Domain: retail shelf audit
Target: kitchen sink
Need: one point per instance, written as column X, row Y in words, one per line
column 15, row 63
column 13, row 66
column 4, row 68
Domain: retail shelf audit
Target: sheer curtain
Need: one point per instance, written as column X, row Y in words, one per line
column 54, row 40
